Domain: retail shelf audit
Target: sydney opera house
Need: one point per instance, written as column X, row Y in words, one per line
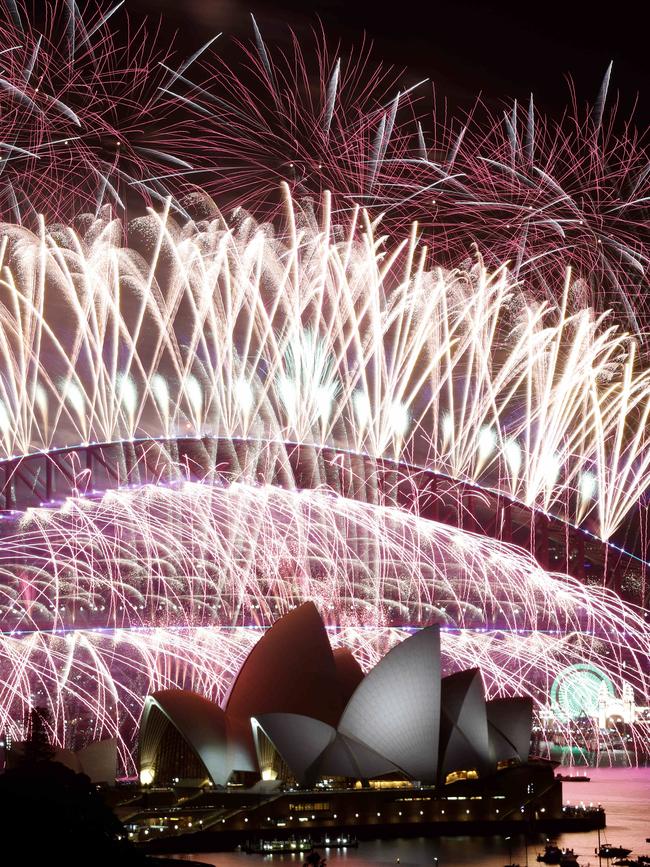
column 300, row 712
column 306, row 737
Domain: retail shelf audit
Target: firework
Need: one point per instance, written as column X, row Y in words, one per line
column 311, row 118
column 95, row 682
column 262, row 338
column 543, row 193
column 234, row 554
column 319, row 334
column 86, row 117
column 319, row 327
column 91, row 118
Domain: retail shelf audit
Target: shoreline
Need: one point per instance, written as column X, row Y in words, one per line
column 229, row 841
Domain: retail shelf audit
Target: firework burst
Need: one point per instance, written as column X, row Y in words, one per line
column 463, row 346
column 539, row 192
column 86, row 116
column 544, row 194
column 105, row 599
column 89, row 118
column 319, row 334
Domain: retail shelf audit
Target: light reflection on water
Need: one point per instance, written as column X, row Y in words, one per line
column 625, row 794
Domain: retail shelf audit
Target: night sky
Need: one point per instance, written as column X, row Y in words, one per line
column 496, row 49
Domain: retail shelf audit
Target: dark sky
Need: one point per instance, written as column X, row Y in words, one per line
column 499, row 49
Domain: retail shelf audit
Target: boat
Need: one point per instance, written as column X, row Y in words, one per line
column 270, row 847
column 608, row 851
column 552, row 854
column 568, row 778
column 643, row 859
column 303, row 844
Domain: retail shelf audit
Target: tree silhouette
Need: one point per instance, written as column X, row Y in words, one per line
column 37, row 746
column 51, row 814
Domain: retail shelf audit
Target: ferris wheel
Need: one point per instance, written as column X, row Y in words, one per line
column 577, row 691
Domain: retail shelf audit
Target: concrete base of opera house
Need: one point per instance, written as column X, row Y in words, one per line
column 220, row 819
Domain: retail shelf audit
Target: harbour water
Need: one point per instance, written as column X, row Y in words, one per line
column 623, row 792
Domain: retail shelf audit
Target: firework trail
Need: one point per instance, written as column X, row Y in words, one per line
column 545, row 194
column 235, row 554
column 308, row 335
column 100, row 595
column 319, row 334
column 91, row 118
column 86, row 116
column 309, row 117
column 96, row 681
column 540, row 192
column 332, row 327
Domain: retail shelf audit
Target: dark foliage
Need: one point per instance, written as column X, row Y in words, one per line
column 51, row 814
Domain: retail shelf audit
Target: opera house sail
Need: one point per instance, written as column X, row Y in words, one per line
column 300, row 713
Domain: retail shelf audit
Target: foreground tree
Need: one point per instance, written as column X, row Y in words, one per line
column 53, row 814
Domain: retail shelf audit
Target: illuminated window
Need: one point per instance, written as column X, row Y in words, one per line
column 470, row 774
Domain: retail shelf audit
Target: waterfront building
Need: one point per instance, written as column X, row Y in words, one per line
column 299, row 714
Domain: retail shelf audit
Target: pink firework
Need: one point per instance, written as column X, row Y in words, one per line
column 86, row 118
column 542, row 193
column 311, row 116
column 90, row 115
column 104, row 599
column 357, row 348
column 546, row 194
